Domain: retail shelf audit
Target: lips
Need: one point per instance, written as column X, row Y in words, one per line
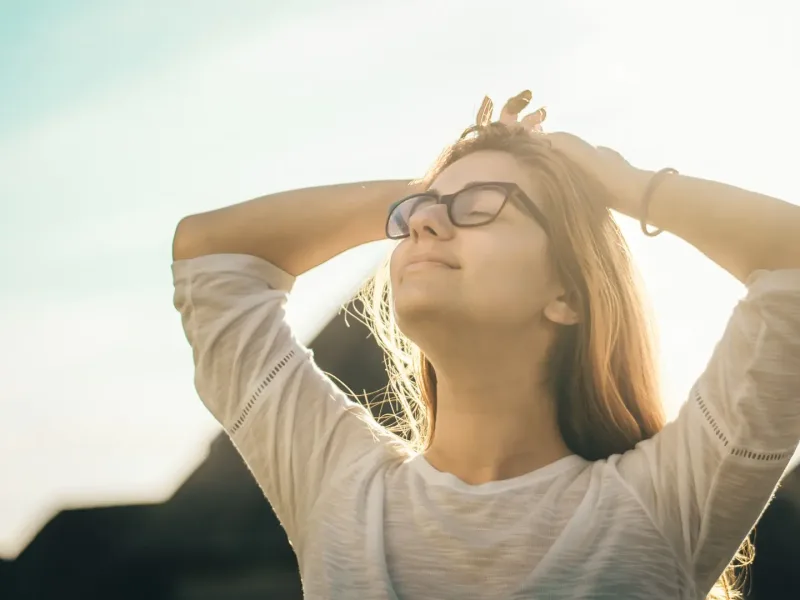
column 434, row 260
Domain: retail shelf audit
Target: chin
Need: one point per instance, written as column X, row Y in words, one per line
column 414, row 305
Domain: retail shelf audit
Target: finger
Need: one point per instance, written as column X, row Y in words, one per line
column 531, row 123
column 485, row 112
column 514, row 106
column 534, row 120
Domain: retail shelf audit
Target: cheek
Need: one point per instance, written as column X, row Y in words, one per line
column 511, row 274
column 393, row 264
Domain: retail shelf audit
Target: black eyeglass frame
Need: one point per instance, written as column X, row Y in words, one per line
column 510, row 188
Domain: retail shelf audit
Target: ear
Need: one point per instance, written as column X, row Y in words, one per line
column 561, row 312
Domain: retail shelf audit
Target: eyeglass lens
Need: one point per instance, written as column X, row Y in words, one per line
column 470, row 207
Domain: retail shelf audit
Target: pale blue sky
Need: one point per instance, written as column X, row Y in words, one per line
column 119, row 117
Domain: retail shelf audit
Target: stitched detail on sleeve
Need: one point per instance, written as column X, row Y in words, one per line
column 709, row 417
column 735, row 450
column 259, row 390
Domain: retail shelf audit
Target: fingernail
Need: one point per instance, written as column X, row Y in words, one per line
column 526, row 94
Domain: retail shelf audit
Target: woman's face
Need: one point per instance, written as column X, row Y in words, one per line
column 495, row 274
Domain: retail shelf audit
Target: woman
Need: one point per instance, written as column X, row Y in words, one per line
column 538, row 465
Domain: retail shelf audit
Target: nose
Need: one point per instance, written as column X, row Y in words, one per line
column 431, row 221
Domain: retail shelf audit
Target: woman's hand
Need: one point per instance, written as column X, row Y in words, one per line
column 509, row 116
column 741, row 231
column 625, row 182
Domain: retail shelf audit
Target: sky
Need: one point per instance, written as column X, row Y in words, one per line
column 120, row 117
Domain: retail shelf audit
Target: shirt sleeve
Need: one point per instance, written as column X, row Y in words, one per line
column 707, row 477
column 295, row 429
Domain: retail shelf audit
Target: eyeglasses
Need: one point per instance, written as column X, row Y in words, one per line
column 475, row 205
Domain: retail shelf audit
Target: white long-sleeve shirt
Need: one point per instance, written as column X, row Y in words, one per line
column 368, row 523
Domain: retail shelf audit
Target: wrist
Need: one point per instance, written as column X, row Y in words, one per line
column 641, row 181
column 627, row 197
column 646, row 218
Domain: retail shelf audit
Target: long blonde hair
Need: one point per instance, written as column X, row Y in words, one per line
column 602, row 372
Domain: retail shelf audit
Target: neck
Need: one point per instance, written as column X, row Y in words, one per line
column 494, row 418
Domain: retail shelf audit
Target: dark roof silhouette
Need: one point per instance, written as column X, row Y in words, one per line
column 217, row 538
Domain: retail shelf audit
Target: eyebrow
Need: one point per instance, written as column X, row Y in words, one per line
column 466, row 185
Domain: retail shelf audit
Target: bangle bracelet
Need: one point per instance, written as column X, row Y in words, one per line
column 655, row 180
